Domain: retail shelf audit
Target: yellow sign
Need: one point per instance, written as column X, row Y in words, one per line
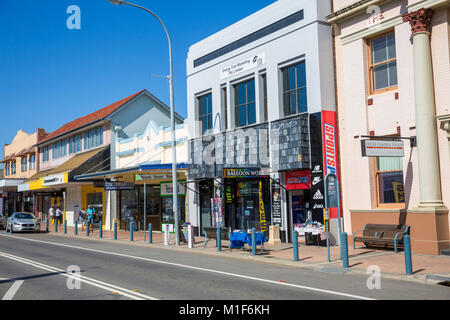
column 399, row 192
column 262, row 211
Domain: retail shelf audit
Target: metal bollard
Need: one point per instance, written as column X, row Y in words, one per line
column 166, row 235
column 131, row 232
column 219, row 240
column 87, row 228
column 150, row 233
column 328, row 240
column 408, row 255
column 190, row 236
column 76, row 228
column 100, row 227
column 253, row 242
column 295, row 241
column 115, row 230
column 56, row 227
column 47, row 226
column 344, row 242
column 65, row 226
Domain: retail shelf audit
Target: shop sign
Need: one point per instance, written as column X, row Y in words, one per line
column 276, row 204
column 379, row 148
column 262, row 210
column 229, row 195
column 167, row 189
column 245, row 173
column 298, row 180
column 54, row 180
column 171, row 227
column 243, row 66
column 332, row 192
column 119, row 186
column 153, row 176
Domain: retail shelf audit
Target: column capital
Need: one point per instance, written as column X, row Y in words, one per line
column 420, row 20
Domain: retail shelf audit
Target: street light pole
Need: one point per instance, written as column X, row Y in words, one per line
column 172, row 115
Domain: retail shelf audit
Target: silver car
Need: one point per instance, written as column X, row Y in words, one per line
column 23, row 221
column 2, row 222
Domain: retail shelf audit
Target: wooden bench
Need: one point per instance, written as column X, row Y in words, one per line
column 211, row 233
column 382, row 234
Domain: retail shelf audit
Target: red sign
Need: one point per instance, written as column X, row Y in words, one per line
column 330, row 154
column 298, row 180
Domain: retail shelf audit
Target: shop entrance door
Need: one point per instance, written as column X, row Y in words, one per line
column 297, row 209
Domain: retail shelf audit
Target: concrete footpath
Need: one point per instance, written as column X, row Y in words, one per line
column 426, row 269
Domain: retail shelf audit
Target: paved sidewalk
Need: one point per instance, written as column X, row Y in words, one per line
column 430, row 269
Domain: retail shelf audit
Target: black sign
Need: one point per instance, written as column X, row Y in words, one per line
column 276, row 205
column 317, row 193
column 332, row 192
column 117, row 186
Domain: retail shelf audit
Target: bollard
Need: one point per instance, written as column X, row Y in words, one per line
column 408, row 255
column 344, row 242
column 76, row 228
column 131, row 231
column 65, row 226
column 253, row 242
column 295, row 241
column 47, row 226
column 150, row 233
column 100, row 229
column 166, row 235
column 115, row 230
column 190, row 236
column 219, row 240
column 56, row 227
column 87, row 228
column 328, row 240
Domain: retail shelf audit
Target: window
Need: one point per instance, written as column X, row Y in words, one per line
column 244, row 103
column 389, row 180
column 205, row 113
column 24, row 164
column 46, row 154
column 264, row 97
column 383, row 63
column 7, row 169
column 93, row 138
column 225, row 108
column 75, row 144
column 60, row 149
column 13, row 167
column 294, row 89
column 32, row 162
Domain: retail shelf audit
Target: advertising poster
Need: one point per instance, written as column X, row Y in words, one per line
column 276, row 205
column 217, row 211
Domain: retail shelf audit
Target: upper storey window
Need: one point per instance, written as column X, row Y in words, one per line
column 245, row 103
column 294, row 89
column 383, row 63
column 205, row 114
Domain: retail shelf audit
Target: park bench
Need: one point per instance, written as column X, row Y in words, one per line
column 382, row 234
column 211, row 233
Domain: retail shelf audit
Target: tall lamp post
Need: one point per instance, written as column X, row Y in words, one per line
column 172, row 114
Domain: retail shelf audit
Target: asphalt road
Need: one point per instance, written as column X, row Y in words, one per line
column 35, row 267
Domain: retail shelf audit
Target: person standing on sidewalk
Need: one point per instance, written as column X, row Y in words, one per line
column 90, row 217
column 59, row 215
column 51, row 214
column 82, row 218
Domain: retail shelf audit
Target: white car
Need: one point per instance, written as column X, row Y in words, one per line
column 23, row 221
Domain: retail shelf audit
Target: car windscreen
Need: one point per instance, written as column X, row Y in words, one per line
column 24, row 216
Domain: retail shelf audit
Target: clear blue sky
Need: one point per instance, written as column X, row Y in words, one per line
column 50, row 75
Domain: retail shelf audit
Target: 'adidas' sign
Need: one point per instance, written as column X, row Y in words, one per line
column 318, row 195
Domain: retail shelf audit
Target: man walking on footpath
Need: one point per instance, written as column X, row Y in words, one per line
column 51, row 214
column 59, row 215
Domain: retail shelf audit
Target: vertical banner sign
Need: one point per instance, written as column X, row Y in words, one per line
column 262, row 211
column 217, row 211
column 330, row 150
column 317, row 203
column 276, row 205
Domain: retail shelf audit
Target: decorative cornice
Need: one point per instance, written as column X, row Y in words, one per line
column 420, row 20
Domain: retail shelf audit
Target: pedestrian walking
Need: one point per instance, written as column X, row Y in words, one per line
column 59, row 215
column 51, row 214
column 82, row 218
column 90, row 216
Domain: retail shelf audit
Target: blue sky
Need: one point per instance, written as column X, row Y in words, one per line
column 50, row 75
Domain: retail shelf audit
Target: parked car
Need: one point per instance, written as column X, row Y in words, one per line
column 23, row 221
column 2, row 222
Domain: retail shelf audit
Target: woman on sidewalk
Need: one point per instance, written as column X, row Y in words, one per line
column 90, row 217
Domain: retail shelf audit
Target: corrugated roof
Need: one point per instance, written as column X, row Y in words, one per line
column 75, row 162
column 90, row 118
column 38, row 175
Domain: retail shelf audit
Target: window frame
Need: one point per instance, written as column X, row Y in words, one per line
column 296, row 89
column 13, row 167
column 208, row 116
column 247, row 102
column 371, row 66
column 24, row 164
column 32, row 164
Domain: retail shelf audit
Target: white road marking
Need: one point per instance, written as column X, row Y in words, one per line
column 12, row 291
column 93, row 282
column 201, row 269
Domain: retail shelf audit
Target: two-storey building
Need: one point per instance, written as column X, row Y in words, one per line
column 260, row 94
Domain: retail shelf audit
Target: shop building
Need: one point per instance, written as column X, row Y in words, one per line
column 20, row 163
column 84, row 146
column 393, row 80
column 142, row 179
column 260, row 94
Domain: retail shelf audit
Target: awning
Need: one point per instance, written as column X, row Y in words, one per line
column 140, row 168
column 65, row 173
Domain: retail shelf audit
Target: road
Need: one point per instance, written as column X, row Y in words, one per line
column 34, row 267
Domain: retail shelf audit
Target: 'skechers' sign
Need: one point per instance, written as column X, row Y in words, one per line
column 377, row 148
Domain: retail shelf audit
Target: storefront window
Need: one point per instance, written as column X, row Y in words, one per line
column 390, row 181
